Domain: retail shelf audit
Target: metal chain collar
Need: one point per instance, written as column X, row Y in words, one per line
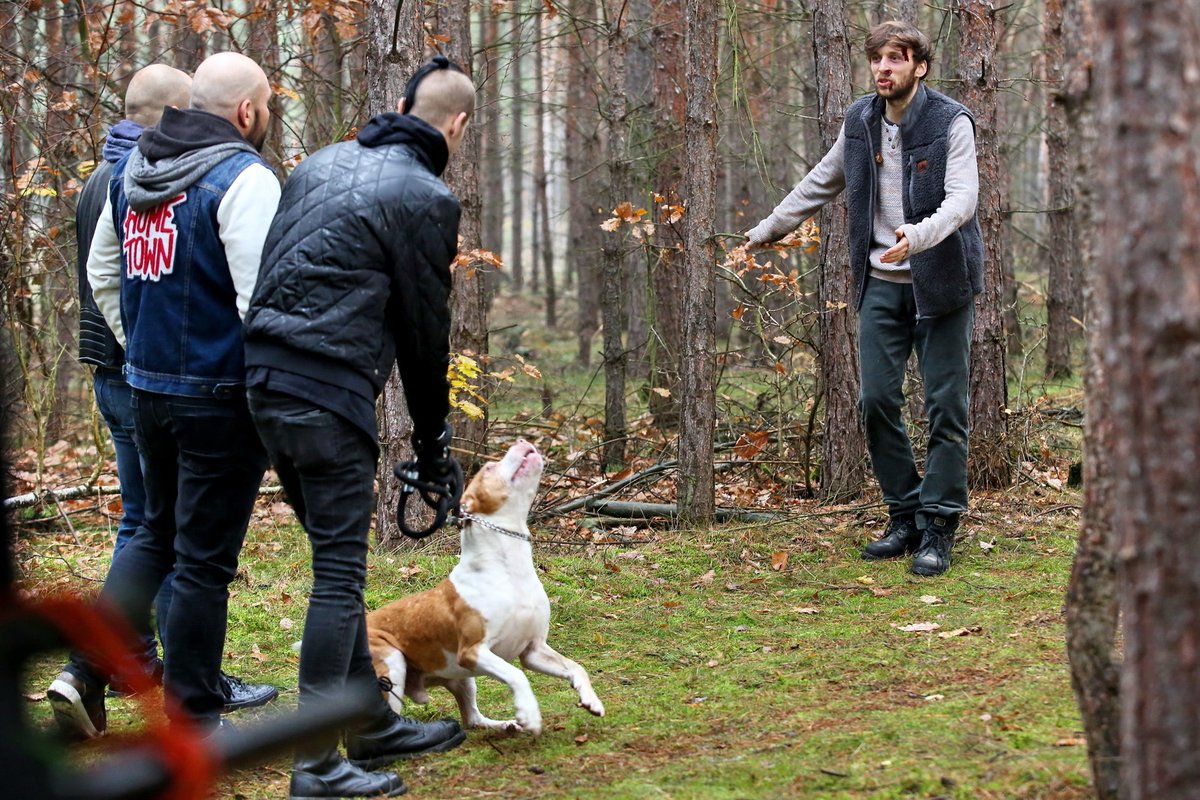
column 464, row 517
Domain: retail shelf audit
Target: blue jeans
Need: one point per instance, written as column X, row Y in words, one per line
column 114, row 398
column 202, row 464
column 888, row 332
column 327, row 468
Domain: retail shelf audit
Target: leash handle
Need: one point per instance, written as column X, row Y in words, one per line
column 441, row 497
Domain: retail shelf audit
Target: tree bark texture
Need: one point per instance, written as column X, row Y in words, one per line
column 1092, row 609
column 695, row 487
column 385, row 86
column 582, row 134
column 844, row 445
column 469, row 297
column 516, row 154
column 490, row 148
column 989, row 465
column 613, row 251
column 1148, row 318
column 1063, row 253
column 540, row 180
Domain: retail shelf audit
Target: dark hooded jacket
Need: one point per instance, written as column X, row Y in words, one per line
column 356, row 277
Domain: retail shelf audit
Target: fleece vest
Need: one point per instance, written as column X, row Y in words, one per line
column 178, row 302
column 946, row 276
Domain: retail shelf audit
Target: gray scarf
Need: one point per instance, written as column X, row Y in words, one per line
column 151, row 183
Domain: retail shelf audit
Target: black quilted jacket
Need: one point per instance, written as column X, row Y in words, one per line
column 356, row 269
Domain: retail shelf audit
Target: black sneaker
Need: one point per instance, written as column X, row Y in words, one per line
column 119, row 688
column 933, row 556
column 78, row 707
column 239, row 694
column 900, row 539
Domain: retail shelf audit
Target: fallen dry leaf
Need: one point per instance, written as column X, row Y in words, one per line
column 959, row 632
column 931, row 599
column 865, row 580
column 806, row 610
column 581, row 739
column 779, row 560
column 286, row 623
column 1071, row 741
column 921, row 627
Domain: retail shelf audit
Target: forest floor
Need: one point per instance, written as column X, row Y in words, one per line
column 736, row 662
column 742, row 661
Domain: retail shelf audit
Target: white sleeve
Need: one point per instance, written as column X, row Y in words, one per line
column 243, row 217
column 962, row 191
column 104, row 270
column 823, row 183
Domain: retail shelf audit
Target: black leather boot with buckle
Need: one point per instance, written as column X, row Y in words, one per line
column 900, row 539
column 933, row 556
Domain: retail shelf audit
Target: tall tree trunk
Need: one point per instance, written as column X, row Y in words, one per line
column 844, row 446
column 695, row 488
column 582, row 131
column 516, row 157
column 491, row 150
column 1091, row 607
column 613, row 251
column 1063, row 250
column 989, row 464
column 1148, row 317
column 469, row 299
column 540, row 180
column 263, row 47
column 385, row 87
column 667, row 264
column 641, row 61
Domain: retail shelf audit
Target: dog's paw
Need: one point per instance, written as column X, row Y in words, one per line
column 530, row 723
column 592, row 704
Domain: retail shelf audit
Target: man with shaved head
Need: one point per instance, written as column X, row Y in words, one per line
column 172, row 265
column 356, row 280
column 150, row 90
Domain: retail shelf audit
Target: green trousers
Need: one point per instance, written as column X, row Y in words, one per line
column 888, row 332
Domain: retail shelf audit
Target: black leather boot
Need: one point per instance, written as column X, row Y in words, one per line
column 900, row 539
column 396, row 737
column 933, row 556
column 329, row 775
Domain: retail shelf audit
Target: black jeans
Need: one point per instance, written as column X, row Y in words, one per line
column 202, row 465
column 327, row 468
column 888, row 331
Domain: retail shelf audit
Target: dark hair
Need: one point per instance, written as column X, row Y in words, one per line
column 434, row 64
column 902, row 34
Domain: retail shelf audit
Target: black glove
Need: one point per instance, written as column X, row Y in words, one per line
column 435, row 475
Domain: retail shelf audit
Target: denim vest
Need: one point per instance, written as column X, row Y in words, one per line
column 178, row 302
column 948, row 275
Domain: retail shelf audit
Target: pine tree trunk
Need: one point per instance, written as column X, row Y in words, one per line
column 491, row 149
column 469, row 299
column 1091, row 607
column 989, row 463
column 385, row 86
column 695, row 487
column 1063, row 250
column 582, row 133
column 613, row 250
column 1147, row 293
column 516, row 157
column 844, row 446
column 546, row 246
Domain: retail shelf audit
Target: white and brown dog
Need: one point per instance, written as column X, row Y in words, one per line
column 490, row 610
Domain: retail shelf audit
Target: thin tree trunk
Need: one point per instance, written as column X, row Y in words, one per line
column 385, row 86
column 491, row 149
column 695, row 488
column 989, row 463
column 844, row 446
column 540, row 180
column 582, row 131
column 1062, row 251
column 469, row 299
column 1148, row 317
column 613, row 252
column 516, row 157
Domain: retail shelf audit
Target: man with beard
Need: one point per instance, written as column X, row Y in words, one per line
column 906, row 160
column 172, row 266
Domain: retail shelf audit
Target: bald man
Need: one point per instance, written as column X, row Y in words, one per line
column 356, row 279
column 172, row 266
